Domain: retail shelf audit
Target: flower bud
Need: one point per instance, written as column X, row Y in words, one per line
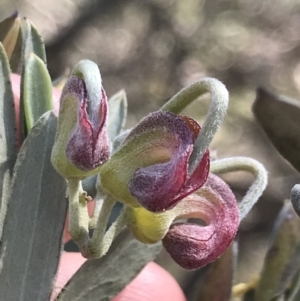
column 82, row 142
column 150, row 168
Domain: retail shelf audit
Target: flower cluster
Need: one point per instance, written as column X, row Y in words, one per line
column 160, row 170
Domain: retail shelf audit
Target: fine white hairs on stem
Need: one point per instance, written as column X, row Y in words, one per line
column 244, row 164
column 78, row 213
column 214, row 117
column 92, row 248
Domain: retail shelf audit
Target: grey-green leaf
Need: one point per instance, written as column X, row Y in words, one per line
column 283, row 257
column 32, row 235
column 101, row 279
column 33, row 42
column 217, row 282
column 117, row 114
column 279, row 117
column 36, row 90
column 8, row 135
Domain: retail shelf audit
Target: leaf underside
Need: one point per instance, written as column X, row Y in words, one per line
column 117, row 114
column 8, row 134
column 283, row 257
column 279, row 117
column 102, row 278
column 220, row 276
column 32, row 234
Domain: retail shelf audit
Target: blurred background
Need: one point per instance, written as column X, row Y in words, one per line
column 153, row 48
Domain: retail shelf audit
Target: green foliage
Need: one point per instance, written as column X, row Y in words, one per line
column 36, row 90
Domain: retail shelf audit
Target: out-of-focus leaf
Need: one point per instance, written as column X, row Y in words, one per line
column 15, row 59
column 249, row 295
column 283, row 257
column 279, row 117
column 6, row 25
column 60, row 81
column 278, row 298
column 294, row 289
column 32, row 234
column 8, row 135
column 117, row 114
column 119, row 140
column 217, row 282
column 103, row 278
column 10, row 40
column 89, row 185
column 37, row 90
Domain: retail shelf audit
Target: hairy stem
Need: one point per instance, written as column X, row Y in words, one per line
column 113, row 232
column 244, row 164
column 78, row 213
column 99, row 199
column 93, row 247
column 214, row 118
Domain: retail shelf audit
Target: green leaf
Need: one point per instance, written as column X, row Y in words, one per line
column 117, row 114
column 8, row 135
column 33, row 43
column 103, row 278
column 217, row 282
column 283, row 257
column 36, row 90
column 279, row 117
column 32, row 235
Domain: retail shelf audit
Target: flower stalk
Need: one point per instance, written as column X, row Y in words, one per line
column 244, row 164
column 92, row 248
column 214, row 117
column 78, row 213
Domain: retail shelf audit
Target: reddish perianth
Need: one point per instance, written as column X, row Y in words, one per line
column 160, row 187
column 193, row 246
column 88, row 145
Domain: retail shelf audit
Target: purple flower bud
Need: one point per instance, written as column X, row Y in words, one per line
column 82, row 143
column 88, row 146
column 193, row 246
column 151, row 166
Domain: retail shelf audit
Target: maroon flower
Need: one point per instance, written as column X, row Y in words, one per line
column 150, row 169
column 193, row 246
